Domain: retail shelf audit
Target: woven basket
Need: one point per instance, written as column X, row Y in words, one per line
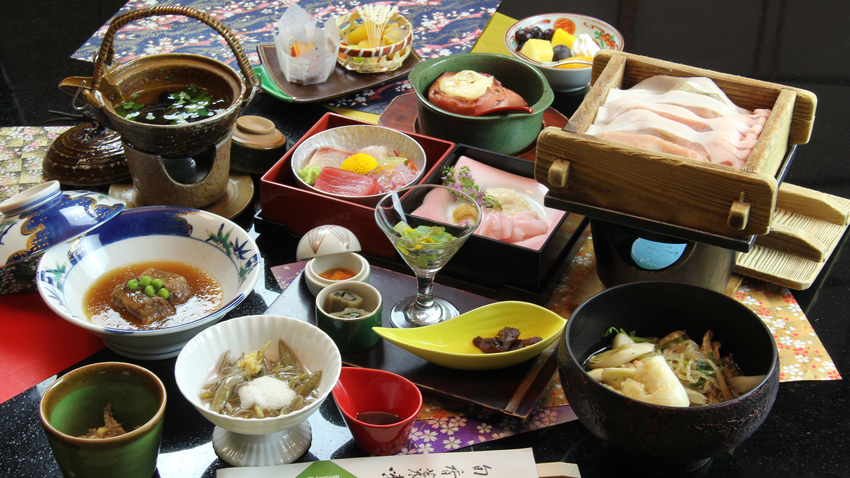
column 373, row 60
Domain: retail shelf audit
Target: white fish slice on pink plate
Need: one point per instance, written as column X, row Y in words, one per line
column 529, row 229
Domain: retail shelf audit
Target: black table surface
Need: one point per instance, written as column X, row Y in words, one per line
column 797, row 43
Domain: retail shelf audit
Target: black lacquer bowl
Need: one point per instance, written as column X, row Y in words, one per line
column 658, row 439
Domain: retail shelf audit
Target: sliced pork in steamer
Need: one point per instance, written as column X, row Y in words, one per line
column 718, row 147
column 688, row 117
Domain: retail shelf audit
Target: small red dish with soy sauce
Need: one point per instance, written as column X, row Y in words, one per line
column 379, row 408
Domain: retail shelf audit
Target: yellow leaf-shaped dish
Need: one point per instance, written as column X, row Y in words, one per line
column 450, row 343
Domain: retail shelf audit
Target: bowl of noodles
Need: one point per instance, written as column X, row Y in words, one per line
column 702, row 379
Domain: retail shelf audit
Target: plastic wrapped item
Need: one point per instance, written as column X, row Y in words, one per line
column 317, row 63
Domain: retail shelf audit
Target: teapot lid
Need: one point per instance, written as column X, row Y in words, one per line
column 36, row 219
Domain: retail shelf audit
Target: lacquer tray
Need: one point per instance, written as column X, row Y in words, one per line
column 340, row 83
column 513, row 390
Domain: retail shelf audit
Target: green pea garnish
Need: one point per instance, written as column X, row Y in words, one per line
column 156, row 283
column 144, row 281
column 150, row 291
column 133, row 284
column 163, row 292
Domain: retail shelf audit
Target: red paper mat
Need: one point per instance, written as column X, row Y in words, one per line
column 36, row 344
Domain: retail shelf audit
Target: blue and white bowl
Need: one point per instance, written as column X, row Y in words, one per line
column 217, row 245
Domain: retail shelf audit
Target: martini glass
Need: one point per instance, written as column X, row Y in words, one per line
column 426, row 207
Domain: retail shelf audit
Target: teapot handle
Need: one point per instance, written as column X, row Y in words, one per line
column 107, row 50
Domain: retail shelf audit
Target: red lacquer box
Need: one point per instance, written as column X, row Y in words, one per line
column 285, row 202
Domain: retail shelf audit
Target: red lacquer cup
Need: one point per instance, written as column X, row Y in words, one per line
column 361, row 392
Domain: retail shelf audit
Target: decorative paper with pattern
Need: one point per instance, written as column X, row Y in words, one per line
column 22, row 150
column 441, row 28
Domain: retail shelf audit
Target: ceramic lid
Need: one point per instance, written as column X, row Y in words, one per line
column 257, row 132
column 326, row 240
column 104, row 163
column 42, row 216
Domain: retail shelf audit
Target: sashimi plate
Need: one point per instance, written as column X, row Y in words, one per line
column 492, row 178
column 450, row 344
column 353, row 138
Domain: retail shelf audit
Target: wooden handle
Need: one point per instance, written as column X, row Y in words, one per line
column 559, row 173
column 107, row 49
column 739, row 214
column 793, row 241
column 814, row 204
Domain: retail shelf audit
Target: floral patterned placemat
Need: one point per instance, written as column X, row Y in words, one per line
column 441, row 28
column 802, row 356
column 22, row 150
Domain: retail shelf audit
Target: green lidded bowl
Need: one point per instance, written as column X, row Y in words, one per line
column 507, row 134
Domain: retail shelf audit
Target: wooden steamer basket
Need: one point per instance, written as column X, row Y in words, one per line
column 589, row 174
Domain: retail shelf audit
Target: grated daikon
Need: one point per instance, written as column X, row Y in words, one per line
column 267, row 392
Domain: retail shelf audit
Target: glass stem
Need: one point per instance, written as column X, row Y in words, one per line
column 424, row 291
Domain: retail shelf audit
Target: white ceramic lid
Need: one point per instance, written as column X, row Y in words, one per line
column 326, row 240
column 43, row 215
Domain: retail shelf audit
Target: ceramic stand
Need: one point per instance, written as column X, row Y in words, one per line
column 262, row 450
column 156, row 187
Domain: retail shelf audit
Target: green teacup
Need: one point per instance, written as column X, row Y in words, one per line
column 75, row 403
column 350, row 334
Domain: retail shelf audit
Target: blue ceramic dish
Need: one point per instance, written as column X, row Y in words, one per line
column 206, row 240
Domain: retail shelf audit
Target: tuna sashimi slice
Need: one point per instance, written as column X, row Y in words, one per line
column 346, row 183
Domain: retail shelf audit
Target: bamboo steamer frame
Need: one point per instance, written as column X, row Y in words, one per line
column 676, row 191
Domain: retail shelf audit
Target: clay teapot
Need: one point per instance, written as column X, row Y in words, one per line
column 151, row 75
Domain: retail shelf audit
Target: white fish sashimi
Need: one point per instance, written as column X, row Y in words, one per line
column 329, row 156
column 377, row 151
column 530, row 224
column 514, row 228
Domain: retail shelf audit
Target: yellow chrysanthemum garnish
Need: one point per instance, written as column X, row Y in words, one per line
column 360, row 163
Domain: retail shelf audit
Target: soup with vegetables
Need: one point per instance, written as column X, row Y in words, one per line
column 152, row 295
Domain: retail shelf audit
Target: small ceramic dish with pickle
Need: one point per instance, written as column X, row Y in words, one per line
column 450, row 343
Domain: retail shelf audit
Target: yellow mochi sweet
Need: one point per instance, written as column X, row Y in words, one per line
column 537, row 49
column 561, row 37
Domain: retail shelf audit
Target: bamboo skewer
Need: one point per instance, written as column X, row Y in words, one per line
column 376, row 17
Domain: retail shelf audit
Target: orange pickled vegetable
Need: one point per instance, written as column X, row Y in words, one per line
column 337, row 274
